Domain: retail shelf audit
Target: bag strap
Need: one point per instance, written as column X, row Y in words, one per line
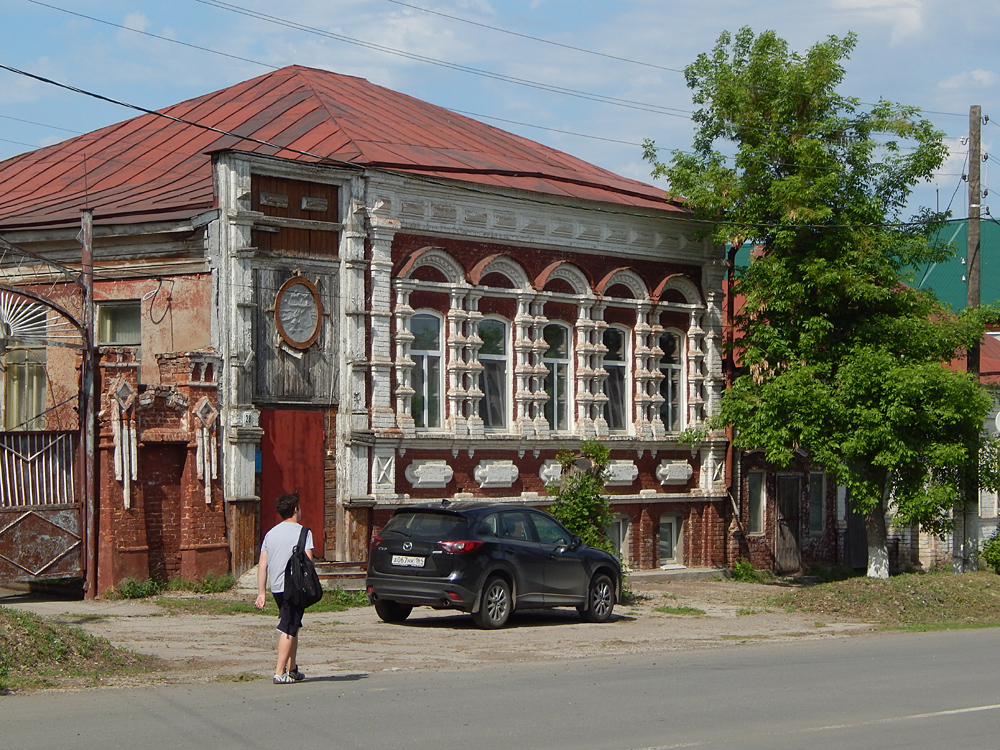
column 302, row 539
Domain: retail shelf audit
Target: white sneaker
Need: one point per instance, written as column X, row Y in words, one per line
column 283, row 679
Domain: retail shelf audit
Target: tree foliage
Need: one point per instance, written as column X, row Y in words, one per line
column 841, row 358
column 580, row 501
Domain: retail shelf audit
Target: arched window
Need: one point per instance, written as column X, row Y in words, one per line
column 426, row 379
column 616, row 386
column 672, row 367
column 495, row 358
column 556, row 360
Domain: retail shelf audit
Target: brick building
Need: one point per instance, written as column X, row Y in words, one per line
column 306, row 282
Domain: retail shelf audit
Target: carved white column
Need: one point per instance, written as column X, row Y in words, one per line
column 230, row 244
column 695, row 370
column 524, row 366
column 539, row 370
column 645, row 360
column 586, row 354
column 404, row 363
column 458, row 365
column 380, row 313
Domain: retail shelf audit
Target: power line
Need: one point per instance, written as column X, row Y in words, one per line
column 457, row 184
column 627, row 103
column 537, row 39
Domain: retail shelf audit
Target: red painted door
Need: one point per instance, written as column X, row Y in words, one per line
column 291, row 460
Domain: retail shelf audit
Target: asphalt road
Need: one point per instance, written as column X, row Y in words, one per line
column 910, row 691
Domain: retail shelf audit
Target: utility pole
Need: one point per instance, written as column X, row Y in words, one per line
column 970, row 515
column 88, row 407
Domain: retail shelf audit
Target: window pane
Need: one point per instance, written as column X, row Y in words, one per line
column 25, row 390
column 755, row 499
column 668, row 540
column 614, row 340
column 614, row 387
column 670, row 345
column 670, row 385
column 494, row 335
column 425, row 351
column 426, row 330
column 817, row 491
column 670, row 409
column 119, row 324
column 557, row 407
column 493, row 382
column 556, row 337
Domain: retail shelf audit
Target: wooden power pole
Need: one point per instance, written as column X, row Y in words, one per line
column 970, row 515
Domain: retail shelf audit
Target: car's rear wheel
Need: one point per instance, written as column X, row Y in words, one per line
column 390, row 611
column 600, row 599
column 495, row 605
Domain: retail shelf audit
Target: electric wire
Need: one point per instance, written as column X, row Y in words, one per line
column 419, row 178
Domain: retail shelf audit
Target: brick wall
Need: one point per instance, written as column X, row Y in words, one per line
column 168, row 526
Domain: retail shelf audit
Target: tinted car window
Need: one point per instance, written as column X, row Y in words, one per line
column 425, row 526
column 514, row 525
column 549, row 532
column 488, row 526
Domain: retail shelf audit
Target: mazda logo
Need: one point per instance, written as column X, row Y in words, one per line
column 407, row 546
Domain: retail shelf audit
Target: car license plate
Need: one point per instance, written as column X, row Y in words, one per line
column 408, row 561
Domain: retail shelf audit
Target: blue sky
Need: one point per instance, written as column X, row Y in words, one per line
column 935, row 55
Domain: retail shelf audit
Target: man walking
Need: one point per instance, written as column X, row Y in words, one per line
column 275, row 552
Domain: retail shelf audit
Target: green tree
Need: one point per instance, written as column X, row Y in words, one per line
column 580, row 501
column 842, row 360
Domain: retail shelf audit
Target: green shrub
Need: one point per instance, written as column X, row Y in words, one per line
column 133, row 589
column 991, row 552
column 212, row 583
column 745, row 572
column 580, row 503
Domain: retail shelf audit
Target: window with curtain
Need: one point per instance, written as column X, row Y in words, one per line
column 119, row 323
column 556, row 360
column 494, row 357
column 670, row 386
column 24, row 389
column 426, row 353
column 615, row 387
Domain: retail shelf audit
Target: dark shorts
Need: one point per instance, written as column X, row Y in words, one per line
column 289, row 616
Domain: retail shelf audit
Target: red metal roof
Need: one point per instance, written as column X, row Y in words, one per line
column 150, row 168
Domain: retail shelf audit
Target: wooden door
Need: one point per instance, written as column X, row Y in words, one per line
column 292, row 461
column 787, row 552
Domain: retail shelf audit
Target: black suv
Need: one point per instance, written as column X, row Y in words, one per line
column 487, row 559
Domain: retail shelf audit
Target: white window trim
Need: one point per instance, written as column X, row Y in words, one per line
column 508, row 381
column 681, row 368
column 570, row 380
column 442, row 396
column 627, row 366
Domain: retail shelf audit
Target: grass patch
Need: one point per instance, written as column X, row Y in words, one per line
column 334, row 600
column 670, row 610
column 210, row 584
column 913, row 601
column 38, row 652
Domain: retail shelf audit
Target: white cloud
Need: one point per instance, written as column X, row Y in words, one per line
column 906, row 17
column 971, row 79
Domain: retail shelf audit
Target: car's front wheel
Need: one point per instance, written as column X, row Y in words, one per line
column 495, row 605
column 390, row 611
column 600, row 599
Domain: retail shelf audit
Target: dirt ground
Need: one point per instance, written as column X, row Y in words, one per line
column 198, row 648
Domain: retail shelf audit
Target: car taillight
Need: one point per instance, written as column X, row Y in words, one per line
column 376, row 541
column 460, row 547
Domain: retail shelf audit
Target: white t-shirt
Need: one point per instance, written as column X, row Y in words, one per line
column 278, row 544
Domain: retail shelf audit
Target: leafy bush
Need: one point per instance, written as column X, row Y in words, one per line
column 212, row 583
column 745, row 572
column 133, row 589
column 991, row 552
column 580, row 503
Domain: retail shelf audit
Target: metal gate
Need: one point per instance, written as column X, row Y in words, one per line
column 40, row 514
